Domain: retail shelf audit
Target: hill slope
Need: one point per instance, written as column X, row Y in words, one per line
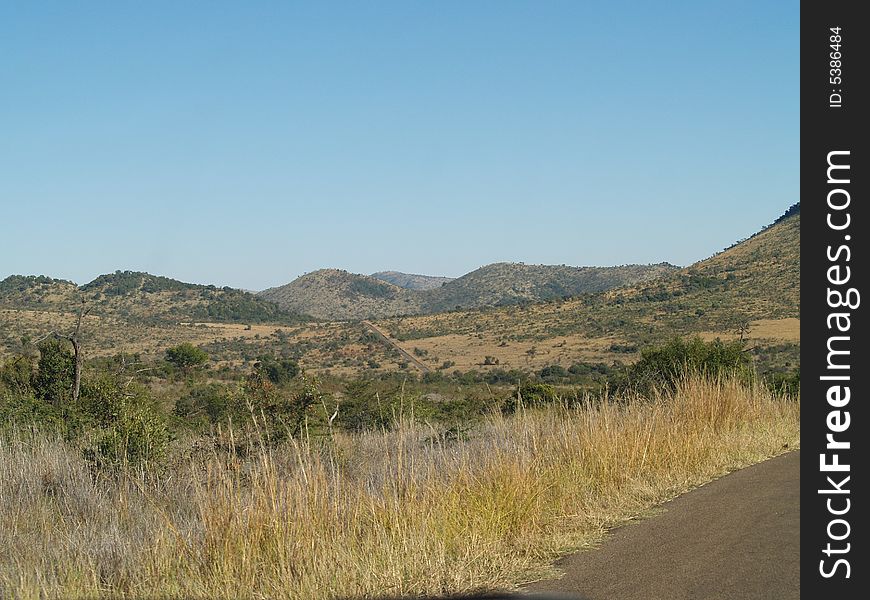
column 759, row 276
column 502, row 284
column 753, row 287
column 410, row 281
column 142, row 297
column 339, row 295
column 754, row 282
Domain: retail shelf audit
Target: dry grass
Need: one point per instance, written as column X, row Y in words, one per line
column 762, row 331
column 401, row 512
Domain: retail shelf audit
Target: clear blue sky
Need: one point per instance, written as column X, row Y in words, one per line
column 245, row 143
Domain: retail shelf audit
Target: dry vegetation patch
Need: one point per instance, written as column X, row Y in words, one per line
column 407, row 511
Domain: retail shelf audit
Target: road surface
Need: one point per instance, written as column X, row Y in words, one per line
column 737, row 538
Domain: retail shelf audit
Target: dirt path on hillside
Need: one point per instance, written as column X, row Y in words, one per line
column 383, row 335
column 737, row 538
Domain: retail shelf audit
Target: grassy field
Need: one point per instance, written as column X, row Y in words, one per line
column 411, row 510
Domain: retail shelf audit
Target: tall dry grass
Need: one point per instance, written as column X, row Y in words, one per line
column 402, row 512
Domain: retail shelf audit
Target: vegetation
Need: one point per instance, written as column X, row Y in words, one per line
column 186, row 357
column 314, row 459
column 750, row 291
column 415, row 509
column 668, row 364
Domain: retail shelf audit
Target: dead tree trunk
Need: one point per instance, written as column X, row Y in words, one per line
column 76, row 341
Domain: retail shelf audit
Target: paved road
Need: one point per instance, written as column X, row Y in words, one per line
column 737, row 538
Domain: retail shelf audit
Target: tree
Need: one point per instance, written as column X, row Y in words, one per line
column 75, row 340
column 55, row 373
column 186, row 356
column 51, row 351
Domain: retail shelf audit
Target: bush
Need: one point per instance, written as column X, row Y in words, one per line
column 186, row 356
column 55, row 374
column 278, row 371
column 284, row 411
column 363, row 409
column 788, row 384
column 16, row 374
column 529, row 395
column 23, row 409
column 665, row 365
column 130, row 433
column 553, row 373
column 211, row 402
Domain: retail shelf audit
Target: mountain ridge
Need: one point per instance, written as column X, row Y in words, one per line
column 334, row 294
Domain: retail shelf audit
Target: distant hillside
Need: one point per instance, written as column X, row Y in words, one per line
column 412, row 282
column 35, row 291
column 761, row 273
column 334, row 294
column 758, row 277
column 751, row 289
column 503, row 284
column 142, row 297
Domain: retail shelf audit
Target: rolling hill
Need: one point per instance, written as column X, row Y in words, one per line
column 339, row 295
column 503, row 284
column 142, row 297
column 751, row 289
column 517, row 316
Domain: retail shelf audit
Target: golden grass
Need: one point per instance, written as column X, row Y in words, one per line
column 763, row 330
column 468, row 351
column 401, row 512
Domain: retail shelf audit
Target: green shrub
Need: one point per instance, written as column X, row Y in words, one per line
column 55, row 373
column 129, row 431
column 186, row 356
column 553, row 373
column 17, row 373
column 664, row 366
column 362, row 408
column 136, row 439
column 529, row 395
column 281, row 411
column 210, row 403
column 788, row 384
column 278, row 371
column 24, row 409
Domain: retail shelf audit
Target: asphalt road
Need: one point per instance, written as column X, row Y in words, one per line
column 737, row 538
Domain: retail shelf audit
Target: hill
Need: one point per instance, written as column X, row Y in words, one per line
column 410, row 281
column 503, row 284
column 339, row 295
column 142, row 297
column 751, row 289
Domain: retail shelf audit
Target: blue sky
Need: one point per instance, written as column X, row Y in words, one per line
column 245, row 143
